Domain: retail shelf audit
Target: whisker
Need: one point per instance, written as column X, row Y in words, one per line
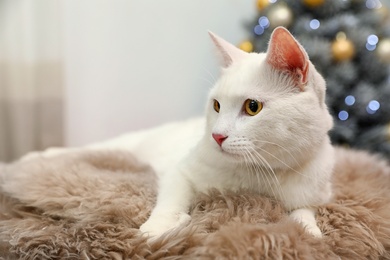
column 285, row 164
column 271, row 173
column 255, row 170
column 292, row 156
column 207, row 81
column 264, row 178
column 288, row 166
column 213, row 79
column 248, row 163
column 262, row 170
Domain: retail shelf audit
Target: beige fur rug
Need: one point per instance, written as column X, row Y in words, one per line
column 90, row 206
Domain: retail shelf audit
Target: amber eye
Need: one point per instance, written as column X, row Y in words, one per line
column 217, row 106
column 252, row 107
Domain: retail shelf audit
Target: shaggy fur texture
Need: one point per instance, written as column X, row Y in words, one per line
column 90, row 206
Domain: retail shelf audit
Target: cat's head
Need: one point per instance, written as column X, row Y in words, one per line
column 267, row 106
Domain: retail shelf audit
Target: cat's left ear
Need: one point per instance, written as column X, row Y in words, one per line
column 228, row 52
column 286, row 54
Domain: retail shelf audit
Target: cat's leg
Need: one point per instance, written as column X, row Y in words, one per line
column 171, row 210
column 307, row 218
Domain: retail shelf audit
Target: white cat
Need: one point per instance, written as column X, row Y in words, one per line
column 265, row 131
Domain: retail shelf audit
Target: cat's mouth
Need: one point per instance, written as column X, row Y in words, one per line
column 230, row 154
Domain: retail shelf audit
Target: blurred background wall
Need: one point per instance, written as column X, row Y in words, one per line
column 75, row 72
column 31, row 77
column 139, row 63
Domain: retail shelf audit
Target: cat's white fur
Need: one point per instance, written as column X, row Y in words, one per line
column 283, row 152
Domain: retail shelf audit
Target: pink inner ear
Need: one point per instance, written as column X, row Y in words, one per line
column 286, row 54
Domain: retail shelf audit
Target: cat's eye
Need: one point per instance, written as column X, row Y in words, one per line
column 217, row 106
column 252, row 107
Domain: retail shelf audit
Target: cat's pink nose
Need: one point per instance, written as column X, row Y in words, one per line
column 219, row 138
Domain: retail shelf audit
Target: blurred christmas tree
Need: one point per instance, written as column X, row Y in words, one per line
column 349, row 43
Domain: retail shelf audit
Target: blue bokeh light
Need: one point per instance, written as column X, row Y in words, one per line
column 264, row 22
column 370, row 47
column 259, row 30
column 372, row 107
column 371, row 112
column 350, row 100
column 372, row 39
column 373, row 4
column 314, row 24
column 343, row 115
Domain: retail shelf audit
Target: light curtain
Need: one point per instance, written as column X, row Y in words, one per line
column 31, row 77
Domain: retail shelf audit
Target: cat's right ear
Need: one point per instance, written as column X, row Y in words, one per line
column 228, row 52
column 286, row 54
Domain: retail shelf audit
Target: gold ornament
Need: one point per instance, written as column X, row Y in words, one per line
column 313, row 3
column 342, row 48
column 383, row 50
column 246, row 46
column 262, row 4
column 280, row 15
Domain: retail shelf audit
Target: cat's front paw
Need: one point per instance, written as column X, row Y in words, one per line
column 159, row 223
column 314, row 230
column 306, row 217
